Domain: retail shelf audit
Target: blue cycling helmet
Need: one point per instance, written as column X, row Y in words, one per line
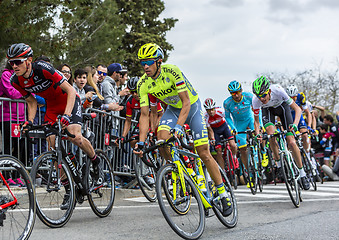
column 234, row 86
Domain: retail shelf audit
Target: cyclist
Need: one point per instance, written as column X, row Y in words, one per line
column 300, row 100
column 43, row 80
column 239, row 106
column 167, row 83
column 133, row 107
column 274, row 101
column 217, row 126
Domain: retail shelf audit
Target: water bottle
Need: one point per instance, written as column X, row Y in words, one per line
column 201, row 183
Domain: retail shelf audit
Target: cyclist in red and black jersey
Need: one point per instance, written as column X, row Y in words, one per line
column 61, row 98
column 133, row 107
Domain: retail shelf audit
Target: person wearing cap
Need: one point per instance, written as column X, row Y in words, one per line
column 109, row 85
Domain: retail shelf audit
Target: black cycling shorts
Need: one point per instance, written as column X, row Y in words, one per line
column 283, row 111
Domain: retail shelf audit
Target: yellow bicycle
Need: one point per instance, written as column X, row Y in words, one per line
column 186, row 194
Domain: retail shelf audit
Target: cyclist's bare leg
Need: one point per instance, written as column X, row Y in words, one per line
column 233, row 147
column 243, row 156
column 273, row 142
column 305, row 139
column 295, row 150
column 211, row 165
column 80, row 140
column 164, row 152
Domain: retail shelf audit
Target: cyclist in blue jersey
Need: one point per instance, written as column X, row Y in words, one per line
column 239, row 106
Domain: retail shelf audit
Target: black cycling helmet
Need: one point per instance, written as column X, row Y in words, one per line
column 19, row 50
column 132, row 83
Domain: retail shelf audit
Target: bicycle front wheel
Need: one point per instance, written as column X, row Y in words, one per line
column 289, row 173
column 55, row 202
column 231, row 220
column 252, row 172
column 146, row 179
column 190, row 223
column 16, row 220
column 101, row 197
column 310, row 171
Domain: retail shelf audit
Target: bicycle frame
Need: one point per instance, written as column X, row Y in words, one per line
column 191, row 173
column 15, row 200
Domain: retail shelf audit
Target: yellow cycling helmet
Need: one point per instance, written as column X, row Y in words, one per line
column 150, row 50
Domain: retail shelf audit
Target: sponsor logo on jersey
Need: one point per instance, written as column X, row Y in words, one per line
column 171, row 71
column 39, row 88
column 164, row 92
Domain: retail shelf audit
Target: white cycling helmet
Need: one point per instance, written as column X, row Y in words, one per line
column 292, row 91
column 209, row 103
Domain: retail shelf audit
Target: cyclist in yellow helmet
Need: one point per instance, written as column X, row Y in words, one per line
column 167, row 83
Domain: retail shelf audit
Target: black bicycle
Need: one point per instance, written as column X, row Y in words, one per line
column 61, row 181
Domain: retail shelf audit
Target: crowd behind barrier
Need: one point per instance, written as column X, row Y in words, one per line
column 106, row 127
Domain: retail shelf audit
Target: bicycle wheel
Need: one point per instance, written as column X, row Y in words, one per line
column 252, row 172
column 271, row 164
column 289, row 174
column 310, row 172
column 50, row 195
column 191, row 224
column 231, row 220
column 16, row 220
column 101, row 197
column 260, row 172
column 146, row 179
column 230, row 169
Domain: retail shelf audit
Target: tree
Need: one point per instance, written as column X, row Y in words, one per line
column 142, row 25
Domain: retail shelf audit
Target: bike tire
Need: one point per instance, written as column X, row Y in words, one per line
column 230, row 170
column 310, row 174
column 231, row 220
column 20, row 217
column 270, row 164
column 101, row 198
column 147, row 187
column 252, row 172
column 291, row 182
column 191, row 224
column 260, row 173
column 49, row 202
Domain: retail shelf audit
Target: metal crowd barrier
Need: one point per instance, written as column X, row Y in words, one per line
column 107, row 126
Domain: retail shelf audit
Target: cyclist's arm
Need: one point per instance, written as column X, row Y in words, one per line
column 143, row 123
column 256, row 124
column 127, row 127
column 32, row 105
column 229, row 119
column 210, row 133
column 154, row 118
column 186, row 106
column 71, row 94
column 309, row 117
column 297, row 110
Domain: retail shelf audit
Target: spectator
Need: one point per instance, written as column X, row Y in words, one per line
column 328, row 119
column 109, row 84
column 80, row 80
column 102, row 71
column 320, row 118
column 66, row 70
column 92, row 80
column 326, row 142
column 11, row 113
column 332, row 173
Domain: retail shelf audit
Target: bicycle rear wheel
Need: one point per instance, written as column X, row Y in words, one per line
column 252, row 172
column 231, row 220
column 146, row 177
column 16, row 221
column 230, row 169
column 101, row 197
column 50, row 196
column 289, row 174
column 310, row 172
column 190, row 222
column 260, row 172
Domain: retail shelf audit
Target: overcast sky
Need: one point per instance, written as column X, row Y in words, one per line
column 218, row 41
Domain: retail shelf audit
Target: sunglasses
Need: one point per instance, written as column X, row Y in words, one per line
column 133, row 91
column 235, row 93
column 103, row 73
column 147, row 62
column 263, row 95
column 16, row 61
column 66, row 72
